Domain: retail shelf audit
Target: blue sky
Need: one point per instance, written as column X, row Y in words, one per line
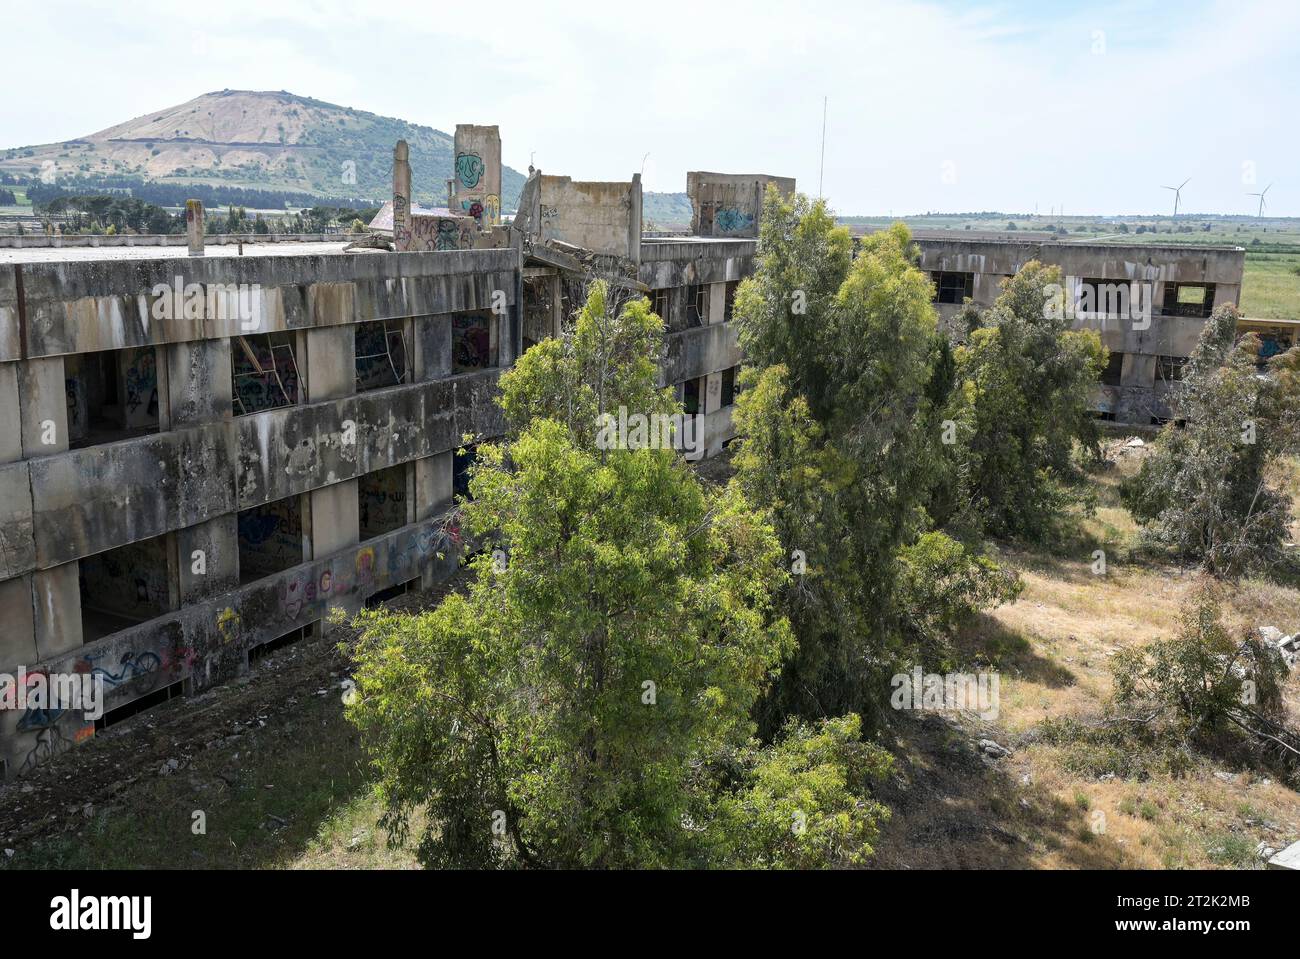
column 932, row 106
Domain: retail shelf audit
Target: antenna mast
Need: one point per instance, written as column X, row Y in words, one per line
column 822, row 170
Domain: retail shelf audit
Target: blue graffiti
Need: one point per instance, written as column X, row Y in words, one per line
column 731, row 220
column 469, row 169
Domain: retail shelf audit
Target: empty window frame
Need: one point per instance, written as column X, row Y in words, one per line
column 693, row 396
column 1189, row 299
column 270, row 538
column 1170, row 369
column 729, row 300
column 381, row 354
column 463, row 459
column 1110, row 376
column 264, row 372
column 124, row 586
column 729, row 385
column 952, row 287
column 473, row 345
column 697, row 305
column 111, row 395
column 382, row 501
column 661, row 305
column 1098, row 296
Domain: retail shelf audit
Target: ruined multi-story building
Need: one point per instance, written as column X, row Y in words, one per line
column 1148, row 302
column 201, row 455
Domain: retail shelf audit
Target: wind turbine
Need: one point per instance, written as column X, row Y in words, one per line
column 1178, row 193
column 1261, row 199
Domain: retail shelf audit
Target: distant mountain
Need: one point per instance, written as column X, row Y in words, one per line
column 242, row 139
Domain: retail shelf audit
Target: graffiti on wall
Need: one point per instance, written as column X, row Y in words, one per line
column 732, row 220
column 432, row 233
column 469, row 169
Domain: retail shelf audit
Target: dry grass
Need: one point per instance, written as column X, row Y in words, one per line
column 1052, row 649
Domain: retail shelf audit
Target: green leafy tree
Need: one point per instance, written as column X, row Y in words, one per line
column 1209, row 491
column 587, row 703
column 839, row 439
column 1022, row 403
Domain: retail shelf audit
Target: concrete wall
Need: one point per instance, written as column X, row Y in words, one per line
column 1140, row 397
column 600, row 217
column 730, row 204
column 475, row 191
column 180, row 490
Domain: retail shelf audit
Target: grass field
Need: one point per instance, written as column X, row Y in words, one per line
column 1271, row 288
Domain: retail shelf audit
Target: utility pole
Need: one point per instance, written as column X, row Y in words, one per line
column 822, row 171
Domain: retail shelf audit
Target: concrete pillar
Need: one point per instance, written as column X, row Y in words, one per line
column 198, row 383
column 331, row 515
column 43, row 406
column 18, row 638
column 56, row 601
column 433, row 496
column 199, row 391
column 194, row 226
column 401, row 196
column 432, row 360
column 717, row 302
column 557, row 291
column 334, row 518
column 330, row 370
column 11, row 434
column 433, row 485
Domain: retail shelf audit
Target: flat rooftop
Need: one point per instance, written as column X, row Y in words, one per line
column 1038, row 237
column 71, row 254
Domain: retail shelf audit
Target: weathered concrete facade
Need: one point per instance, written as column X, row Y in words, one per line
column 203, row 455
column 1148, row 302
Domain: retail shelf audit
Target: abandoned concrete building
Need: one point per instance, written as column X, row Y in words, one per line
column 202, row 454
column 1148, row 302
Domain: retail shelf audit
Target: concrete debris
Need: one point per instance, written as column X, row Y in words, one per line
column 1288, row 858
column 992, row 749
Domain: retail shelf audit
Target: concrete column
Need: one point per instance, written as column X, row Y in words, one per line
column 401, row 196
column 43, row 406
column 557, row 307
column 331, row 515
column 56, row 601
column 433, row 495
column 198, row 382
column 432, row 339
column 335, row 518
column 330, row 370
column 18, row 638
column 194, row 226
column 199, row 391
column 11, row 433
column 433, row 485
column 717, row 302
